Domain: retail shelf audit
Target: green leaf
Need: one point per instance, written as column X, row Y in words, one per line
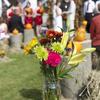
column 65, row 72
column 64, row 39
column 74, row 65
column 78, row 58
column 75, row 59
column 68, row 76
column 72, row 30
column 88, row 50
column 59, row 69
column 62, row 30
column 68, row 25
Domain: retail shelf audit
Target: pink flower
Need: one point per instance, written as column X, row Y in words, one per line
column 54, row 59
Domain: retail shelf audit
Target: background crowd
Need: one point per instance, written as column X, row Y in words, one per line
column 25, row 14
column 62, row 11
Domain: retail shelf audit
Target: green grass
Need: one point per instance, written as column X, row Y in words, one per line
column 20, row 79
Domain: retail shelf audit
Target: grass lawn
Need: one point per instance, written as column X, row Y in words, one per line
column 20, row 79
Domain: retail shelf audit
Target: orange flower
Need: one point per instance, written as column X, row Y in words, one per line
column 50, row 33
column 53, row 34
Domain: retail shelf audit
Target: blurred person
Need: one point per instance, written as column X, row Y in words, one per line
column 28, row 14
column 89, row 7
column 4, row 36
column 16, row 22
column 3, row 29
column 97, row 2
column 57, row 12
column 19, row 7
column 71, row 14
column 65, row 5
column 7, row 4
column 95, row 37
column 10, row 11
column 38, row 19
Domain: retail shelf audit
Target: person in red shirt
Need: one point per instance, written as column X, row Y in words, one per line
column 38, row 19
column 28, row 14
column 95, row 29
column 95, row 37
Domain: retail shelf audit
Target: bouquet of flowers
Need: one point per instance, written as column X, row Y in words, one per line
column 58, row 54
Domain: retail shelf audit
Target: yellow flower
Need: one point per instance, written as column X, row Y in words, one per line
column 56, row 46
column 30, row 45
column 27, row 49
column 33, row 42
column 41, row 52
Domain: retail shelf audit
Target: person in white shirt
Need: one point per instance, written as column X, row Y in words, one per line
column 71, row 14
column 65, row 5
column 89, row 7
column 57, row 12
column 3, row 30
column 7, row 4
column 97, row 2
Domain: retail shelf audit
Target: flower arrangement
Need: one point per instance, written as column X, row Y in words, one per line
column 58, row 54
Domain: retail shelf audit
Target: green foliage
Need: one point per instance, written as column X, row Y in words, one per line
column 41, row 53
column 56, row 46
column 88, row 50
column 75, row 59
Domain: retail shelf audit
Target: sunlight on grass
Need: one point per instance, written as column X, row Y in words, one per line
column 20, row 79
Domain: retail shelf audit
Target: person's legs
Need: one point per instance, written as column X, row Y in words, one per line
column 88, row 18
column 71, row 24
column 64, row 26
column 0, row 12
column 94, row 60
column 38, row 30
column 98, row 53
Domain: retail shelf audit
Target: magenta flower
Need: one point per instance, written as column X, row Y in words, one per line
column 54, row 59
